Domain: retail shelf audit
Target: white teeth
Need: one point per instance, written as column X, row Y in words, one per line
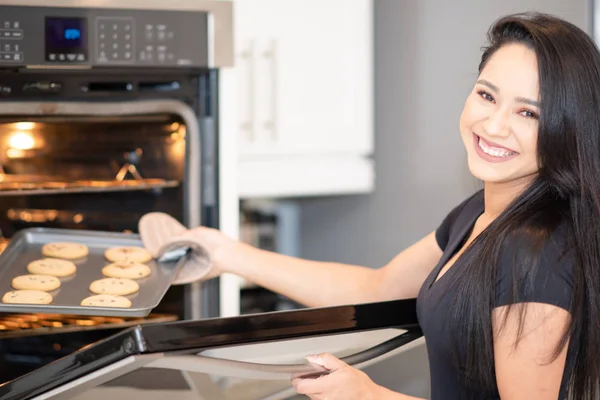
column 493, row 151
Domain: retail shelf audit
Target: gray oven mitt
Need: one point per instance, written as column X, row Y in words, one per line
column 160, row 235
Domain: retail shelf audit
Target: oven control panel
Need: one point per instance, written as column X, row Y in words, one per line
column 96, row 37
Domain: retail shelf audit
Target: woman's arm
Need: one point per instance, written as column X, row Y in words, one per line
column 527, row 370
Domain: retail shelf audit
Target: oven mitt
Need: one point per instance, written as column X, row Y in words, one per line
column 160, row 235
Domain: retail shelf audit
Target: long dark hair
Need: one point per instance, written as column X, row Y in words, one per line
column 565, row 195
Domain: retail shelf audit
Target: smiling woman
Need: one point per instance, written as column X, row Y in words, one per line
column 508, row 286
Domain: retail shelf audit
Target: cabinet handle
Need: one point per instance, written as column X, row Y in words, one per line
column 271, row 55
column 248, row 56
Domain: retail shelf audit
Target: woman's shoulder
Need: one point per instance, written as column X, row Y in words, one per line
column 461, row 215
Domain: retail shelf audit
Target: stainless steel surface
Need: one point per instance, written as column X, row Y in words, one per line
column 98, row 377
column 26, row 246
column 192, row 196
column 222, row 17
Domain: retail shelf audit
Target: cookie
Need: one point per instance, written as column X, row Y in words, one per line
column 106, row 300
column 116, row 286
column 45, row 283
column 135, row 254
column 52, row 266
column 27, row 297
column 65, row 250
column 126, row 269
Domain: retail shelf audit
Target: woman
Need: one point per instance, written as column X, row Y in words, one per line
column 508, row 286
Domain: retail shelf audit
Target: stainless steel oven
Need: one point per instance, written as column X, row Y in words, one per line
column 108, row 110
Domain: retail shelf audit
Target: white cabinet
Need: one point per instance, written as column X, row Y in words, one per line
column 304, row 78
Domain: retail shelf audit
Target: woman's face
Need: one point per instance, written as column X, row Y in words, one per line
column 499, row 123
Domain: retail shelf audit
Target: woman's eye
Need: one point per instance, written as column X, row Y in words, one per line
column 529, row 114
column 485, row 95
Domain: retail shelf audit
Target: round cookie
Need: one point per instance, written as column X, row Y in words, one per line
column 115, row 286
column 45, row 283
column 65, row 250
column 126, row 269
column 52, row 266
column 27, row 297
column 106, row 300
column 135, row 254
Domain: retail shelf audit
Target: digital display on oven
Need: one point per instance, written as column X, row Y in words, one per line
column 66, row 39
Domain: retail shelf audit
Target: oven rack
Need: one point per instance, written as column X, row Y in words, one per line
column 90, row 186
column 22, row 325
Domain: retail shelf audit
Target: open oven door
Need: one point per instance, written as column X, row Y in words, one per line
column 222, row 358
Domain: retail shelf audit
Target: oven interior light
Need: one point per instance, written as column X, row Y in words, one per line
column 24, row 126
column 21, row 141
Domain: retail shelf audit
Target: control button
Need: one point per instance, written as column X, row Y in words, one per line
column 149, row 27
column 127, row 55
column 7, row 47
column 115, row 36
column 128, row 37
column 6, row 34
column 80, row 57
column 17, row 34
column 17, row 56
column 6, row 25
column 115, row 27
column 142, row 56
column 149, row 48
column 102, row 26
column 102, row 36
column 7, row 57
column 170, row 56
column 127, row 27
column 115, row 55
column 16, row 25
column 161, row 35
column 170, row 35
column 127, row 46
column 16, row 47
column 161, row 27
column 71, row 57
column 161, row 56
column 52, row 57
column 61, row 57
column 102, row 54
column 102, row 45
column 5, row 89
column 161, row 48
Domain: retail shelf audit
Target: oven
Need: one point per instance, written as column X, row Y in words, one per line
column 107, row 112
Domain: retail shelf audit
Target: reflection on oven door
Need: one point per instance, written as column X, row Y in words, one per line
column 167, row 376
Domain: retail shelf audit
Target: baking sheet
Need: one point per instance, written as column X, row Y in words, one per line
column 26, row 246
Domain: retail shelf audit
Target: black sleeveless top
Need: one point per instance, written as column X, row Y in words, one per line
column 551, row 285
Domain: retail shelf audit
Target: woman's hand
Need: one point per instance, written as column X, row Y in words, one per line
column 342, row 382
column 215, row 243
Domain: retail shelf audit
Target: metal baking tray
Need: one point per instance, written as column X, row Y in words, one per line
column 26, row 246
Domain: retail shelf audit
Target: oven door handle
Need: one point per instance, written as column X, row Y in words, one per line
column 251, row 370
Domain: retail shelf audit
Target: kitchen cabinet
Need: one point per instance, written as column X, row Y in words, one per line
column 304, row 95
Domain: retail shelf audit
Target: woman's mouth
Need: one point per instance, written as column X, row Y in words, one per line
column 492, row 152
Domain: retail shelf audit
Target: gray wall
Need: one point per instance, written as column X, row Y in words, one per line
column 426, row 56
